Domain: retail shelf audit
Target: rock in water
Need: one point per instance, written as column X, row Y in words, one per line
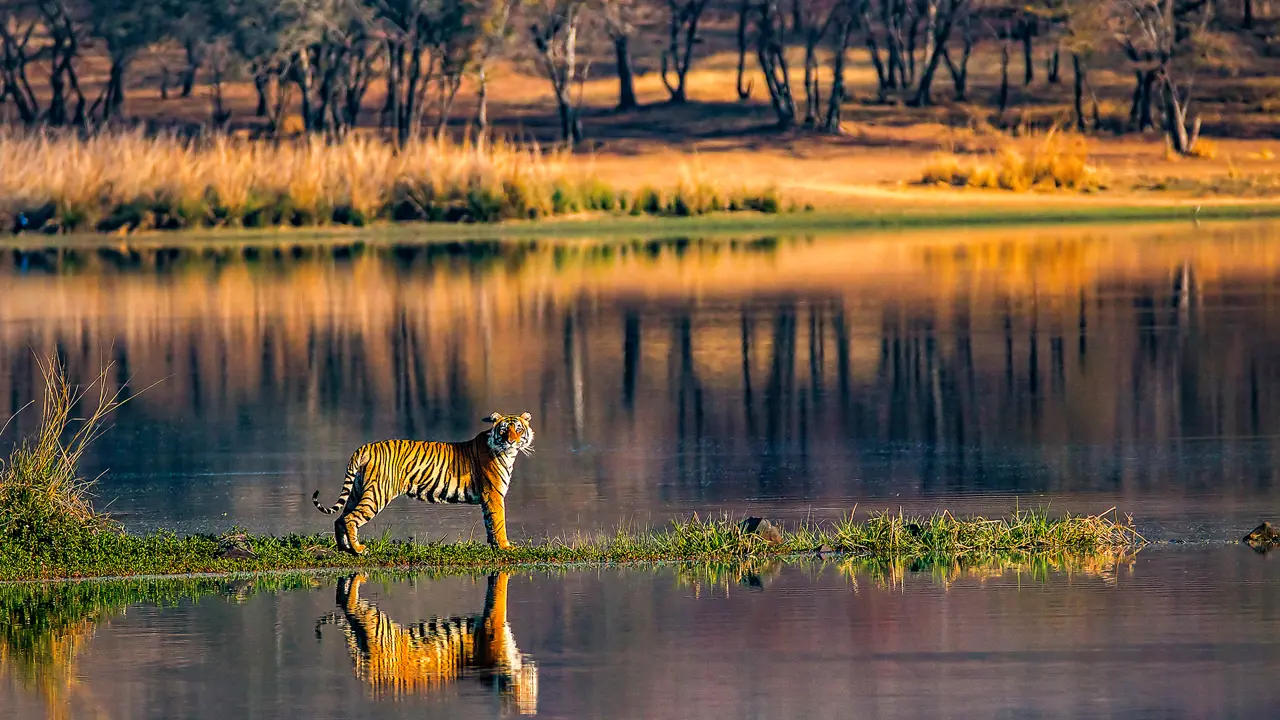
column 1263, row 535
column 763, row 528
column 235, row 547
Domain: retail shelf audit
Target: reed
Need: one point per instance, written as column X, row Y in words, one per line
column 131, row 181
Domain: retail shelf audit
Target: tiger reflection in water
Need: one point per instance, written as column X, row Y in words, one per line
column 397, row 660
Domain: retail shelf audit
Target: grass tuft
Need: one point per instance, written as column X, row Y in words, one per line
column 1059, row 162
column 43, row 500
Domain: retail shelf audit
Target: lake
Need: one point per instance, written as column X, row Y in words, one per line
column 792, row 377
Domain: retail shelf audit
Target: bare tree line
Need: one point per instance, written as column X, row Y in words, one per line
column 321, row 56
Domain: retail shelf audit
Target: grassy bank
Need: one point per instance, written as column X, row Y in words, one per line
column 132, row 182
column 273, row 242
column 49, row 528
column 883, row 537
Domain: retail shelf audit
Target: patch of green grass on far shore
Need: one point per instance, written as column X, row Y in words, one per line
column 49, row 529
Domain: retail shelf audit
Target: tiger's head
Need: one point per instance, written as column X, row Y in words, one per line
column 510, row 433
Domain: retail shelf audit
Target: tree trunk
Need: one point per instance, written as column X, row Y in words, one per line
column 1078, row 74
column 1004, row 76
column 1247, row 22
column 1028, row 62
column 193, row 67
column 114, row 106
column 261, row 79
column 844, row 32
column 935, row 59
column 960, row 71
column 482, row 106
column 678, row 56
column 1140, row 115
column 626, row 77
column 812, row 95
column 570, row 126
column 1182, row 140
column 1054, row 66
column 744, row 91
column 770, row 51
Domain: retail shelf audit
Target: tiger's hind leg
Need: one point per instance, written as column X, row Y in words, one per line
column 340, row 533
column 364, row 511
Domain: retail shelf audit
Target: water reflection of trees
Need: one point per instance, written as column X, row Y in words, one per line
column 423, row 657
column 788, row 373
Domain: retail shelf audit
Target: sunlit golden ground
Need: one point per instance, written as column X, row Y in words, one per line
column 883, row 146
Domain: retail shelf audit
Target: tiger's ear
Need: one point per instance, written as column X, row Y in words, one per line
column 492, row 417
column 526, row 417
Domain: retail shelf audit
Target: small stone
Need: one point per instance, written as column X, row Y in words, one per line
column 235, row 553
column 763, row 528
column 235, row 547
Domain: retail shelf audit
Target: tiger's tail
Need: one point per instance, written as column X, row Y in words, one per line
column 358, row 461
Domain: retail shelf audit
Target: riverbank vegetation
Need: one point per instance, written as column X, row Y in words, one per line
column 128, row 182
column 837, row 104
column 49, row 528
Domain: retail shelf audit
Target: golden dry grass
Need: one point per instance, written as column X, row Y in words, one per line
column 113, row 181
column 1058, row 162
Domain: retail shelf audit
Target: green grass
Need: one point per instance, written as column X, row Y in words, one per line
column 49, row 528
column 881, row 537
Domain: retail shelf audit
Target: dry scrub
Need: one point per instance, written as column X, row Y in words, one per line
column 1059, row 162
column 64, row 183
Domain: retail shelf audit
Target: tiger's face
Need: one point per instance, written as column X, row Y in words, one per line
column 511, row 433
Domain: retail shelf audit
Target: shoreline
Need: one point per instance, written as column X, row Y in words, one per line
column 881, row 539
column 907, row 216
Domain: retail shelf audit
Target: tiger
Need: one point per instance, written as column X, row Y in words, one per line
column 474, row 472
column 426, row 656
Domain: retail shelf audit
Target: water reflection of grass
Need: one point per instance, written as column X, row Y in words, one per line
column 45, row 626
column 884, row 573
column 288, row 256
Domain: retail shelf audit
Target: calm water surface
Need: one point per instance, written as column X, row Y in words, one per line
column 1178, row 634
column 1134, row 367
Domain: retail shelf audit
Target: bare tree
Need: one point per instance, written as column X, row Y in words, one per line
column 494, row 34
column 620, row 20
column 771, row 45
column 1170, row 42
column 907, row 41
column 744, row 22
column 683, row 16
column 554, row 30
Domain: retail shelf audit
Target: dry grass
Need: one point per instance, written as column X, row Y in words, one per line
column 43, row 499
column 1058, row 162
column 132, row 181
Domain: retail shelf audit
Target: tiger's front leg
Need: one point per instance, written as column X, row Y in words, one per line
column 495, row 518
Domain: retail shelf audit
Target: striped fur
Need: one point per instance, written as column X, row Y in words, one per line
column 474, row 472
column 396, row 660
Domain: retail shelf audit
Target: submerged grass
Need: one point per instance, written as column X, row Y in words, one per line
column 49, row 529
column 60, row 183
